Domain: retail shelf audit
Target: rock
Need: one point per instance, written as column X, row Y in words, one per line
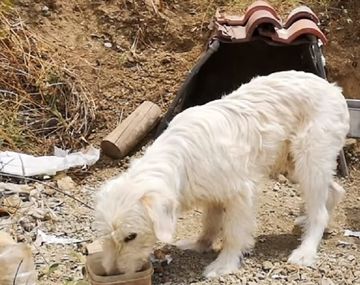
column 27, row 223
column 351, row 258
column 282, row 179
column 45, row 10
column 267, row 265
column 350, row 143
column 39, row 214
column 66, row 184
column 260, row 276
column 34, row 194
column 12, row 203
column 293, row 276
column 304, row 276
column 108, row 45
column 326, row 281
column 49, row 191
column 276, row 187
column 39, row 187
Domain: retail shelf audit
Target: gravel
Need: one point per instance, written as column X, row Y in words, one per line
column 55, row 214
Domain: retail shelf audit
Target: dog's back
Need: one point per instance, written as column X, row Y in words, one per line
column 289, row 99
column 246, row 132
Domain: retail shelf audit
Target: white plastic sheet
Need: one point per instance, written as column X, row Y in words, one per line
column 29, row 165
column 350, row 233
column 51, row 239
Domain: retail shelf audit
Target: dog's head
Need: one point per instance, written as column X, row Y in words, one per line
column 131, row 218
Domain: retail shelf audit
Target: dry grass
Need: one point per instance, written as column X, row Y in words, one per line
column 42, row 101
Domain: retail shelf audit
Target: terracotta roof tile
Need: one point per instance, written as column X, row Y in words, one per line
column 245, row 33
column 298, row 28
column 302, row 12
column 261, row 20
column 242, row 20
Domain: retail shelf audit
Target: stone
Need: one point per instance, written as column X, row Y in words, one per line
column 267, row 265
column 350, row 143
column 27, row 223
column 282, row 179
column 66, row 184
column 276, row 187
column 108, row 45
column 294, row 276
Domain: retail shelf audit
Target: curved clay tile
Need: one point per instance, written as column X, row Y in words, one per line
column 245, row 33
column 301, row 27
column 259, row 18
column 261, row 5
column 302, row 12
column 233, row 20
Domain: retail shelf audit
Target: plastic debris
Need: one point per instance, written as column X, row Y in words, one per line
column 29, row 165
column 42, row 238
column 350, row 233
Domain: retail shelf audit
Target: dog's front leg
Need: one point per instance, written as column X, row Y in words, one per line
column 238, row 227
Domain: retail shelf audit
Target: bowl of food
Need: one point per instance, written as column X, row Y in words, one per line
column 96, row 274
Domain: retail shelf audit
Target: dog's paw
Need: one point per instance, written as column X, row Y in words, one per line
column 302, row 257
column 193, row 245
column 220, row 267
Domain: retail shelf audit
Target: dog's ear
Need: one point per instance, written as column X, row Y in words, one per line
column 162, row 212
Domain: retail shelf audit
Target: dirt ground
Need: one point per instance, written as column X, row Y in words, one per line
column 126, row 54
column 278, row 206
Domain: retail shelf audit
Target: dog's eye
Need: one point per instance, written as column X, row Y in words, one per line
column 130, row 237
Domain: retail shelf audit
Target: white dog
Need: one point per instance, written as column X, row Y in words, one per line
column 213, row 156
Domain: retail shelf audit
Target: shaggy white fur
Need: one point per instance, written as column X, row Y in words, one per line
column 213, row 156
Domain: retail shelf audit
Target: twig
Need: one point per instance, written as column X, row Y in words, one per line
column 42, row 256
column 121, row 115
column 17, row 271
column 8, row 92
column 46, row 184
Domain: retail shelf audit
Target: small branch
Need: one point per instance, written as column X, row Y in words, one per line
column 17, row 272
column 8, row 92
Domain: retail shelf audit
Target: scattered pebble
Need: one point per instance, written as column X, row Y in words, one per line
column 282, row 179
column 276, row 187
column 66, row 184
column 267, row 265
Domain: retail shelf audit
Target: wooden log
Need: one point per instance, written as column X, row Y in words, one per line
column 131, row 131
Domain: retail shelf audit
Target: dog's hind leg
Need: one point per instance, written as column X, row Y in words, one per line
column 315, row 162
column 239, row 224
column 335, row 195
column 211, row 221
